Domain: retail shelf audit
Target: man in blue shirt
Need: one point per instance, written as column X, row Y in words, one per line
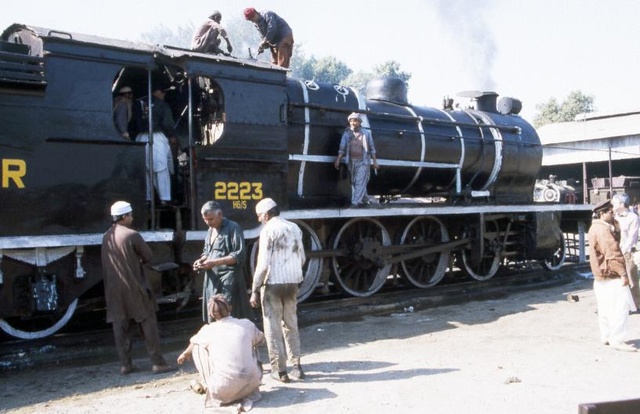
column 276, row 35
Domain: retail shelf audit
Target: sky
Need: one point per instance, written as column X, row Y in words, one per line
column 532, row 50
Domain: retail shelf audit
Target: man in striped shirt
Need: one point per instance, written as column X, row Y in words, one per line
column 275, row 286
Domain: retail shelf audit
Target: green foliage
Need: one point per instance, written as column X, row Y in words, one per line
column 359, row 79
column 162, row 35
column 552, row 112
column 302, row 67
column 329, row 69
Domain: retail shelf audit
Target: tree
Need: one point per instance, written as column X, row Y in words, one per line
column 330, row 69
column 302, row 67
column 359, row 79
column 162, row 35
column 552, row 112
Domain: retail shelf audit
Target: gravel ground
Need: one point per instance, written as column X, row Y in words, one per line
column 529, row 352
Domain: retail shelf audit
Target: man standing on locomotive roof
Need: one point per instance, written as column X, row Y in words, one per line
column 222, row 260
column 163, row 138
column 205, row 38
column 275, row 286
column 357, row 146
column 130, row 300
column 610, row 284
column 276, row 35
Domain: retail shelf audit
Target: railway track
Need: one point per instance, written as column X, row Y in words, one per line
column 90, row 340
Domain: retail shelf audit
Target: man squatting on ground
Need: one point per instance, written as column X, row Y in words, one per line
column 611, row 284
column 275, row 284
column 225, row 354
column 130, row 301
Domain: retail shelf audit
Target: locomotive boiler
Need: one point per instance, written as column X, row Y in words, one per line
column 424, row 152
column 455, row 187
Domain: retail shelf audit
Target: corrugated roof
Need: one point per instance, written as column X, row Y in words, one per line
column 592, row 137
column 594, row 127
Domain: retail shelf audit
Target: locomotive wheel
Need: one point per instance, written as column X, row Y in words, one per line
column 360, row 269
column 425, row 271
column 486, row 266
column 556, row 261
column 312, row 268
column 38, row 327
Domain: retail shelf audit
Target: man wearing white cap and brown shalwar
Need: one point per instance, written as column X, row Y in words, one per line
column 357, row 147
column 275, row 286
column 128, row 294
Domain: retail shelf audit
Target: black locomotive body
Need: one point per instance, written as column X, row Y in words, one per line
column 456, row 186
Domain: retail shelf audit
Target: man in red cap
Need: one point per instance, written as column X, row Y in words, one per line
column 276, row 35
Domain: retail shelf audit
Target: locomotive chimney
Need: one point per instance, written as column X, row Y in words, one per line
column 389, row 89
column 487, row 102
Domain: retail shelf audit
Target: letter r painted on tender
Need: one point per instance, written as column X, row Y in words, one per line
column 13, row 170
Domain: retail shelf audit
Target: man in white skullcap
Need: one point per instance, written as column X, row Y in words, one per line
column 356, row 146
column 128, row 294
column 275, row 286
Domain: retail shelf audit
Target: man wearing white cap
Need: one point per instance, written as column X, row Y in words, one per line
column 275, row 286
column 130, row 300
column 356, row 146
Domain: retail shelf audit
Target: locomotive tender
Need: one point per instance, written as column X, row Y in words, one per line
column 455, row 186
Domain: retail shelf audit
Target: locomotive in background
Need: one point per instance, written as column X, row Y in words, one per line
column 455, row 186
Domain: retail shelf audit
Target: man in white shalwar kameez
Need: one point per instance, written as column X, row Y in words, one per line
column 163, row 132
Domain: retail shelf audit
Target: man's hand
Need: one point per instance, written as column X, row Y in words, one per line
column 197, row 265
column 183, row 357
column 254, row 300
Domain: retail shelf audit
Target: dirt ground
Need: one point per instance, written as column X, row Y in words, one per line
column 530, row 352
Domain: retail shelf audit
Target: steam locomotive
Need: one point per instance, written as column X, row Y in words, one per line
column 455, row 187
